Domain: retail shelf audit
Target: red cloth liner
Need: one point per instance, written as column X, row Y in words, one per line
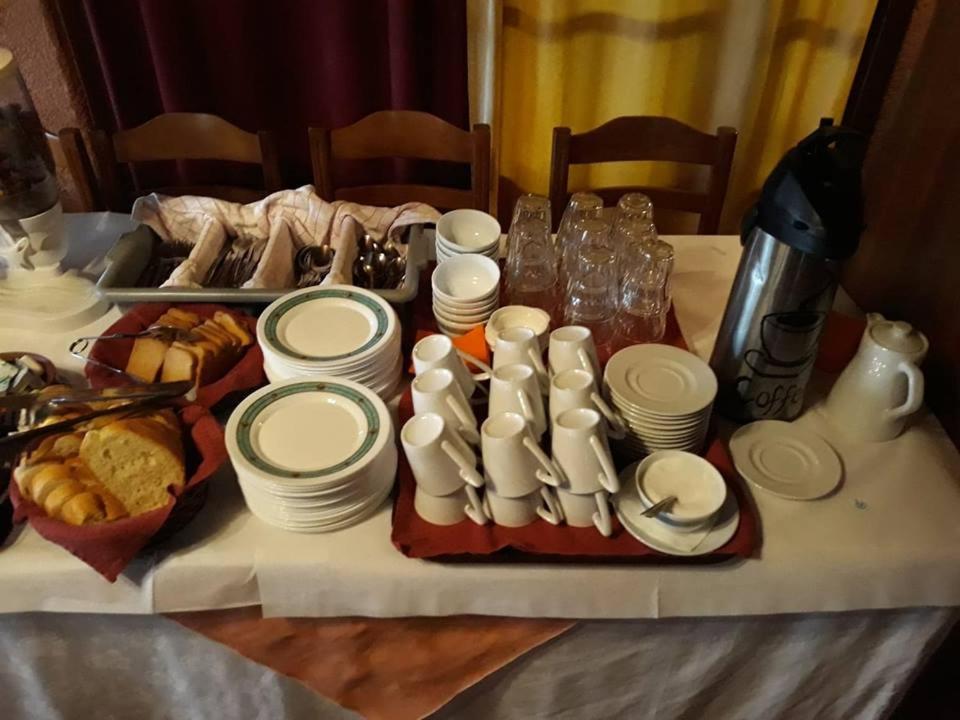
column 246, row 374
column 109, row 547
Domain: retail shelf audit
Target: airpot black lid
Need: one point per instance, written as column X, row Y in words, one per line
column 812, row 200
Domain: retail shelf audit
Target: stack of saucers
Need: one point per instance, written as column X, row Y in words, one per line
column 665, row 396
column 339, row 330
column 462, row 232
column 466, row 292
column 313, row 456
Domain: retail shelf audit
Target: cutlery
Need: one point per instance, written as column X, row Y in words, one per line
column 660, row 506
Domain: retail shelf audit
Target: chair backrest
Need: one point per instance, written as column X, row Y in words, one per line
column 647, row 138
column 70, row 158
column 186, row 136
column 403, row 134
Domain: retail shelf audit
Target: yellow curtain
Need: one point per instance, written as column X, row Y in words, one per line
column 769, row 68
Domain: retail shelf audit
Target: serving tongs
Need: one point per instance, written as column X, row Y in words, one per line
column 164, row 333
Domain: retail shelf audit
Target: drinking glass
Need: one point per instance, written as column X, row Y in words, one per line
column 591, row 292
column 532, row 266
column 528, row 208
column 582, row 206
column 634, row 206
column 645, row 293
column 585, row 233
column 629, row 233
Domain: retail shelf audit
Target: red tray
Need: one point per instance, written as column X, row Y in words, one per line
column 540, row 541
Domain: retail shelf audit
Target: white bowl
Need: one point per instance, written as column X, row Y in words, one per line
column 466, row 279
column 468, row 230
column 698, row 485
column 487, row 307
column 473, row 318
column 519, row 316
column 456, row 327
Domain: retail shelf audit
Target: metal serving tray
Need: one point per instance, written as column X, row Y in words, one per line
column 129, row 256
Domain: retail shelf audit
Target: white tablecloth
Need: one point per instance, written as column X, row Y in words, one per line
column 889, row 538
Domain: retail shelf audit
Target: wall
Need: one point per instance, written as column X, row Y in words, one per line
column 28, row 28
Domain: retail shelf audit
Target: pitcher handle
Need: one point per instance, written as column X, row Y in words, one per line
column 616, row 427
column 608, row 478
column 549, row 474
column 468, row 470
column 914, row 391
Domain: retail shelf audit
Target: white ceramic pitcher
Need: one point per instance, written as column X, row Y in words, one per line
column 882, row 386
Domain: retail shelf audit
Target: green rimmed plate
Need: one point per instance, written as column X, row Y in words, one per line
column 334, row 325
column 308, row 432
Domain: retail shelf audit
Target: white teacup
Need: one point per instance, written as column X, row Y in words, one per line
column 572, row 347
column 440, row 459
column 520, row 511
column 581, row 451
column 519, row 345
column 438, row 351
column 437, row 391
column 577, row 389
column 514, row 388
column 587, row 510
column 512, row 460
column 450, row 509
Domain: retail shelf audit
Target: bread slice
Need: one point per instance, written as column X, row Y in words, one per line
column 179, row 318
column 146, row 358
column 229, row 323
column 59, row 446
column 180, row 363
column 137, row 460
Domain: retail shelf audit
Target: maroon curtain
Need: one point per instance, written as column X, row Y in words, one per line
column 273, row 64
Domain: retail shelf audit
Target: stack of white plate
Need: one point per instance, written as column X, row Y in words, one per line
column 337, row 330
column 466, row 292
column 665, row 395
column 313, row 456
column 466, row 231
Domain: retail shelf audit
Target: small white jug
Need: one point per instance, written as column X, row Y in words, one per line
column 882, row 385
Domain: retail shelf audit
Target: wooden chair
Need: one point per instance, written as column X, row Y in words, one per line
column 71, row 159
column 185, row 136
column 403, row 134
column 647, row 138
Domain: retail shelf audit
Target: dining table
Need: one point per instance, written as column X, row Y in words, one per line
column 834, row 614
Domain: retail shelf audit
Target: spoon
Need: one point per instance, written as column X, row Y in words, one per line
column 657, row 507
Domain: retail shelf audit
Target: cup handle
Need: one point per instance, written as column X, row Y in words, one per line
column 543, row 377
column 586, row 361
column 526, row 406
column 468, row 470
column 552, row 513
column 468, row 423
column 616, row 427
column 601, row 518
column 474, row 509
column 550, row 473
column 914, row 392
column 469, row 359
column 608, row 478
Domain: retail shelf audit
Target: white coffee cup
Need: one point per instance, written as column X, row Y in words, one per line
column 519, row 345
column 572, row 347
column 440, row 459
column 581, row 452
column 577, row 389
column 438, row 351
column 514, row 388
column 450, row 509
column 437, row 391
column 523, row 510
column 512, row 460
column 587, row 510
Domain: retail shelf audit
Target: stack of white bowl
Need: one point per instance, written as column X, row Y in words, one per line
column 337, row 330
column 461, row 232
column 665, row 396
column 466, row 292
column 313, row 455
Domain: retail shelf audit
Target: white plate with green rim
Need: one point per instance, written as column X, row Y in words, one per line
column 336, row 324
column 311, row 433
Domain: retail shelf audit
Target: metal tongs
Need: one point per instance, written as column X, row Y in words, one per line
column 165, row 333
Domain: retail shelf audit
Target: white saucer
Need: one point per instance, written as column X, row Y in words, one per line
column 660, row 536
column 661, row 379
column 786, row 460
